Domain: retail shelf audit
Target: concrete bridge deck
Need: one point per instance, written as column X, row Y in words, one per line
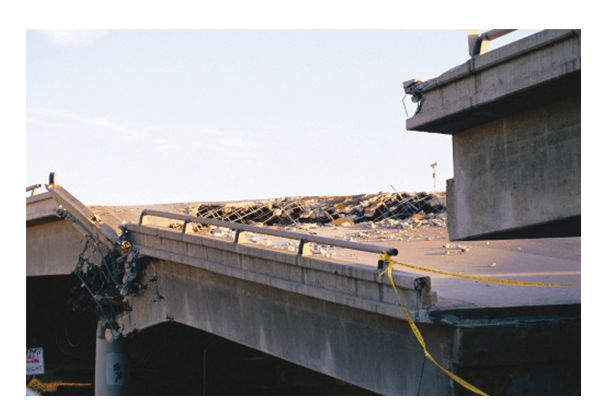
column 543, row 260
column 338, row 317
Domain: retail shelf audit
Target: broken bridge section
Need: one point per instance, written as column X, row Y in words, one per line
column 342, row 320
column 339, row 319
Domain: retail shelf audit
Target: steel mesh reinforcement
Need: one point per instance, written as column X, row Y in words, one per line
column 357, row 209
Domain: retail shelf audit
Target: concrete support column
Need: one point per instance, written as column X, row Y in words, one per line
column 110, row 367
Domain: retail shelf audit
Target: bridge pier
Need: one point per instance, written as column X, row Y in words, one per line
column 110, row 364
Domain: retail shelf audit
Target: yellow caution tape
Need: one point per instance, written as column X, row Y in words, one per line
column 389, row 271
column 386, row 258
column 40, row 387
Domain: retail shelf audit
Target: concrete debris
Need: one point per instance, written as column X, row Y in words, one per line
column 454, row 248
column 370, row 218
column 222, row 232
column 325, row 210
column 343, row 221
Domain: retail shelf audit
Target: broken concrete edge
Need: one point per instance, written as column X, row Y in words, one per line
column 469, row 112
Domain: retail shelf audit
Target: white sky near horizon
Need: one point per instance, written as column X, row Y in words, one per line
column 157, row 116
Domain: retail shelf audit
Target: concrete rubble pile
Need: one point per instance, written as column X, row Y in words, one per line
column 362, row 218
column 293, row 211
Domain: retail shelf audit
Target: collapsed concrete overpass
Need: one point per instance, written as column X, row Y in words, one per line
column 343, row 319
column 339, row 319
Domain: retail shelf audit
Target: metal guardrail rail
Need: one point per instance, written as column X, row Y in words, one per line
column 239, row 228
column 33, row 189
column 477, row 43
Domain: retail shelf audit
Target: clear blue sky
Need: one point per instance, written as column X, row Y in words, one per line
column 156, row 116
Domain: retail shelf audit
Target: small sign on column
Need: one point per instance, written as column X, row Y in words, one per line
column 35, row 361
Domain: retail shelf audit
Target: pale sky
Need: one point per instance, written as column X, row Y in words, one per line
column 156, row 116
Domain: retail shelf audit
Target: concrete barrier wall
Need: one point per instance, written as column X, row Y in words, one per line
column 353, row 285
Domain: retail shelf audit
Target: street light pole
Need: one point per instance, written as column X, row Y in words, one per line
column 434, row 166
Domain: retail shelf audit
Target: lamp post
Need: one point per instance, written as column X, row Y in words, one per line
column 434, row 166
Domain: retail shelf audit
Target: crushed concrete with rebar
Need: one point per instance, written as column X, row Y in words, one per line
column 352, row 209
column 360, row 218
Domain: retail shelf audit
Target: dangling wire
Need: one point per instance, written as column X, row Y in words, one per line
column 404, row 107
column 99, row 288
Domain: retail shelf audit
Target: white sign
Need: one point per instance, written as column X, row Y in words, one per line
column 35, row 361
column 115, row 369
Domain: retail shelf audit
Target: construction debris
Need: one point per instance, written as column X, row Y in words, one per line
column 361, row 218
column 456, row 247
column 293, row 211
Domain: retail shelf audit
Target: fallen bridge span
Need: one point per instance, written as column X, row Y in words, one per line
column 340, row 318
